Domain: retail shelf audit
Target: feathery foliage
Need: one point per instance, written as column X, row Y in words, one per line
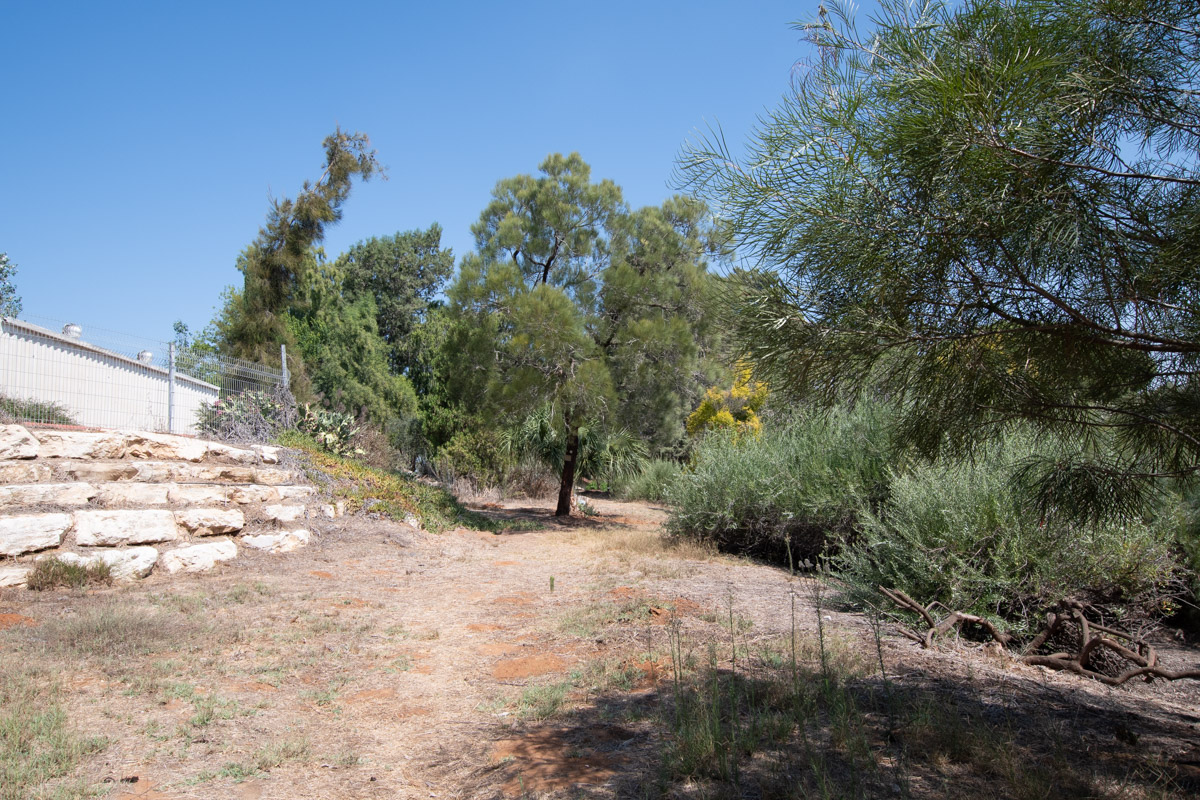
column 575, row 304
column 989, row 213
column 275, row 264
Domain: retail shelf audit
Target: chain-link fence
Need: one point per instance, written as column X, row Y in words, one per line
column 55, row 373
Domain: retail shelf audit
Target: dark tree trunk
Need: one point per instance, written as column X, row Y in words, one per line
column 566, row 489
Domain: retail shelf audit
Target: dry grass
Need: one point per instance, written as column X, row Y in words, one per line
column 38, row 746
column 655, row 670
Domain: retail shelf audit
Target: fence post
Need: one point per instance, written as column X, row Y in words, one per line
column 283, row 363
column 171, row 387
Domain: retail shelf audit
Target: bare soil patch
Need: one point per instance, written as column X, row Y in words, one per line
column 387, row 663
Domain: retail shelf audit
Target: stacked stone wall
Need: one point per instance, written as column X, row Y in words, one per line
column 141, row 502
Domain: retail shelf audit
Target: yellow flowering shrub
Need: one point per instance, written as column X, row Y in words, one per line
column 733, row 409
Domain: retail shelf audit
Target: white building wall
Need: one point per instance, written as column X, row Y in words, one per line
column 96, row 387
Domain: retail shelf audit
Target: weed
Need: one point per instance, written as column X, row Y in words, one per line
column 48, row 573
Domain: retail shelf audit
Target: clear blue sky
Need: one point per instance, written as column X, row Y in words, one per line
column 142, row 141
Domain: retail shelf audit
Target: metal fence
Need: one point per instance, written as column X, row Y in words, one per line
column 55, row 373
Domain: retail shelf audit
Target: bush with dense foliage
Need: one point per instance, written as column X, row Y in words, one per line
column 788, row 492
column 652, row 484
column 961, row 533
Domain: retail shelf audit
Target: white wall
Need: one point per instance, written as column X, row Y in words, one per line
column 97, row 388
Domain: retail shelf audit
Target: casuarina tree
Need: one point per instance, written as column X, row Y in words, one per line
column 989, row 213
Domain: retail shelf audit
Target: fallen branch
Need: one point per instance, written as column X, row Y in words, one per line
column 1145, row 658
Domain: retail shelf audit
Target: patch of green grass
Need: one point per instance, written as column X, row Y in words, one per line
column 37, row 745
column 543, row 702
column 49, row 573
column 394, row 495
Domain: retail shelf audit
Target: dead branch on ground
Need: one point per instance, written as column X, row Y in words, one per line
column 1092, row 637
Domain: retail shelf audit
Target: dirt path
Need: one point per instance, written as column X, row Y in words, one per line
column 383, row 662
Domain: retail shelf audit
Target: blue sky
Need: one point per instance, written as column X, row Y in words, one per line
column 142, row 141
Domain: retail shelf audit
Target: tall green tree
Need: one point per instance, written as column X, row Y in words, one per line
column 253, row 323
column 575, row 304
column 10, row 301
column 347, row 360
column 403, row 273
column 989, row 212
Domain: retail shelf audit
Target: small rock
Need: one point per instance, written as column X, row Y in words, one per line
column 211, row 521
column 283, row 542
column 296, row 492
column 283, row 513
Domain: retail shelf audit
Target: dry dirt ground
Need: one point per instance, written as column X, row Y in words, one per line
column 384, row 662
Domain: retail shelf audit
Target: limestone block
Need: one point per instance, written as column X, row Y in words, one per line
column 57, row 494
column 211, row 521
column 13, row 576
column 238, row 455
column 159, row 446
column 183, row 472
column 32, row 532
column 198, row 557
column 127, row 564
column 327, row 510
column 99, row 471
column 273, row 476
column 24, row 472
column 17, row 442
column 254, row 494
column 81, row 444
column 283, row 542
column 198, row 494
column 296, row 492
column 109, row 528
column 267, row 453
column 132, row 494
column 283, row 513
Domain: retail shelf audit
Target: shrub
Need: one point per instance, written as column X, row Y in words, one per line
column 248, row 416
column 958, row 533
column 14, row 410
column 48, row 573
column 652, row 484
column 475, row 454
column 733, row 409
column 788, row 492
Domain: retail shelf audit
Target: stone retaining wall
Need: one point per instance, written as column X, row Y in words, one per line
column 143, row 501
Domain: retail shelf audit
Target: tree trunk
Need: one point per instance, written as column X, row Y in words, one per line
column 566, row 491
